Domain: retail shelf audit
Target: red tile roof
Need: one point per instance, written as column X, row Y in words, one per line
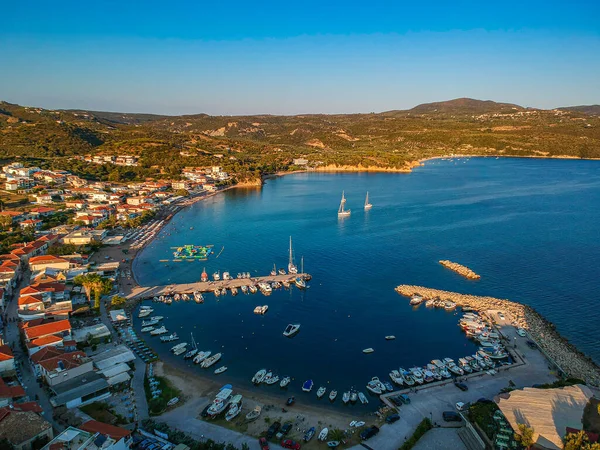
column 10, row 391
column 69, row 361
column 44, row 341
column 46, row 353
column 47, row 329
column 26, row 406
column 30, row 299
column 6, row 353
column 46, row 259
column 117, row 433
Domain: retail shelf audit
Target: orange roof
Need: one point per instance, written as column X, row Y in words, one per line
column 69, row 361
column 46, row 353
column 47, row 328
column 44, row 341
column 30, row 290
column 42, row 209
column 49, row 286
column 117, row 433
column 4, row 269
column 6, row 353
column 9, row 257
column 46, row 259
column 30, row 299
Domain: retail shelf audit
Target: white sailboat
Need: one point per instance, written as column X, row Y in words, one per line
column 341, row 211
column 367, row 204
column 291, row 266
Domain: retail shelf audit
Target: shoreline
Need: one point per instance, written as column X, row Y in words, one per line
column 565, row 355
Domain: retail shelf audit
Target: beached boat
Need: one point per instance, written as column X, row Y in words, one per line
column 346, row 397
column 253, row 415
column 210, row 361
column 307, row 386
column 291, row 330
column 368, row 350
column 321, row 391
column 285, row 381
column 368, row 206
column 342, row 211
column 259, row 376
column 234, row 410
column 309, row 434
column 332, row 395
column 220, row 370
column 323, row 434
column 201, row 356
column 333, row 444
column 173, row 401
column 220, row 402
column 290, row 401
column 363, row 398
column 359, row 424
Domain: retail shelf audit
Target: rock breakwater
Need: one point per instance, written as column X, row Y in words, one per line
column 562, row 352
column 460, row 269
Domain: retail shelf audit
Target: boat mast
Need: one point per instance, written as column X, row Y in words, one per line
column 367, row 199
column 341, row 210
column 302, row 265
column 291, row 263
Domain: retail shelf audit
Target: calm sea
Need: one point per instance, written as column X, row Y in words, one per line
column 528, row 227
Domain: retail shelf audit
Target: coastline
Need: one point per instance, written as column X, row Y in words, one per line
column 565, row 355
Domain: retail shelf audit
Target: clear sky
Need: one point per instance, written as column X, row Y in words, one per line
column 278, row 57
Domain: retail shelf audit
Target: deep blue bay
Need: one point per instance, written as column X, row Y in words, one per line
column 529, row 227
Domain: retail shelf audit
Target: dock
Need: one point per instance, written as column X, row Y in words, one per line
column 144, row 292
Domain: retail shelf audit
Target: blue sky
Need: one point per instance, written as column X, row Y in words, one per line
column 289, row 58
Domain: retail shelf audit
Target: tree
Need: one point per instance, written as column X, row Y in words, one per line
column 182, row 192
column 336, row 435
column 94, row 283
column 117, row 300
column 6, row 222
column 525, row 435
column 575, row 441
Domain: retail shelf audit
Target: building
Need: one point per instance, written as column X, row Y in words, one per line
column 23, row 428
column 10, row 393
column 92, row 332
column 49, row 333
column 64, row 367
column 44, row 262
column 36, row 224
column 300, row 162
column 84, row 237
column 92, row 435
column 16, row 184
column 7, row 361
column 88, row 388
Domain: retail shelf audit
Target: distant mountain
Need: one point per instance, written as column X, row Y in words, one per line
column 118, row 117
column 465, row 106
column 592, row 110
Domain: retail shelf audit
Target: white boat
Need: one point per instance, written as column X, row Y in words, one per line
column 190, row 354
column 265, row 288
column 201, row 356
column 173, row 401
column 220, row 402
column 157, row 318
column 234, row 291
column 226, row 276
column 252, row 289
column 417, row 374
column 253, row 415
column 178, row 346
column 169, row 338
column 359, row 424
column 179, row 351
column 285, row 381
column 363, row 398
column 210, row 361
column 198, row 298
column 149, row 323
column 346, row 397
column 244, row 289
column 407, row 377
column 291, row 329
column 274, row 379
column 268, row 377
column 261, row 309
column 300, row 283
column 292, row 269
column 323, row 434
column 368, row 350
column 375, row 386
column 216, row 276
column 147, row 329
column 332, row 395
column 342, row 212
column 259, row 376
column 321, row 391
column 416, row 300
column 367, row 204
column 233, row 412
column 390, row 338
column 353, row 396
column 145, row 313
column 220, row 370
column 397, row 377
column 159, row 331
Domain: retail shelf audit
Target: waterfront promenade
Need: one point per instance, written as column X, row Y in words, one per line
column 144, row 292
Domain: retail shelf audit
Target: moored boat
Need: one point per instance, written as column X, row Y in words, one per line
column 220, row 370
column 291, row 329
column 259, row 376
column 307, row 386
column 321, row 391
column 285, row 381
column 210, row 361
column 332, row 395
column 201, row 356
column 363, row 398
column 346, row 397
column 368, row 350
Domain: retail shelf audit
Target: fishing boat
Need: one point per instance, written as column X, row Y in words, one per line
column 220, row 402
column 259, row 376
column 292, row 269
column 307, row 386
column 201, row 356
column 291, row 330
column 159, row 331
column 368, row 350
column 390, row 338
column 363, row 398
column 342, row 212
column 220, row 370
column 323, row 434
column 309, row 434
column 346, row 397
column 169, row 338
column 368, row 206
column 332, row 395
column 253, row 415
column 321, row 391
column 204, row 276
column 210, row 361
column 285, row 381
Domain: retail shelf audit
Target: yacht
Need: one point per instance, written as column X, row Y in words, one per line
column 291, row 329
column 159, row 331
column 149, row 323
column 390, row 338
column 417, row 374
column 342, row 212
column 285, row 381
column 210, row 361
column 144, row 313
column 368, row 206
column 292, row 269
column 201, row 356
column 147, row 329
column 307, row 386
column 259, row 376
column 407, row 377
column 396, row 377
column 216, row 276
column 375, row 386
column 332, row 395
column 321, row 391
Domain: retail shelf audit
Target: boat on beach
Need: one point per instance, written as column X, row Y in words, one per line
column 253, row 415
column 309, row 434
column 323, row 434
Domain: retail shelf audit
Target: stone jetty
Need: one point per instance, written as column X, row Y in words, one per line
column 460, row 269
column 561, row 351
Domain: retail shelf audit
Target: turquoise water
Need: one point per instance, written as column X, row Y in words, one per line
column 528, row 227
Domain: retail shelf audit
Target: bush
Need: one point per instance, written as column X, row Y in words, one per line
column 422, row 428
column 482, row 414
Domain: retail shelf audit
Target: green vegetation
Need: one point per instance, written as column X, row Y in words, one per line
column 591, row 416
column 560, row 383
column 157, row 406
column 117, row 301
column 94, row 283
column 102, row 412
column 7, row 239
column 422, row 428
column 482, row 414
column 182, row 192
column 525, row 435
column 579, row 441
column 112, row 221
column 70, row 249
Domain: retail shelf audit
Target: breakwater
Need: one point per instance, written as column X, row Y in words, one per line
column 565, row 354
column 460, row 269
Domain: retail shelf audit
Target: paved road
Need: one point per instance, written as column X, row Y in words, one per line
column 185, row 419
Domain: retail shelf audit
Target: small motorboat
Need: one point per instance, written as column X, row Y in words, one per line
column 396, row 377
column 147, row 329
column 274, row 379
column 368, row 350
column 390, row 338
column 309, row 434
column 332, row 395
column 285, row 381
column 333, row 444
column 321, row 391
column 210, row 361
column 220, row 370
column 323, row 434
column 291, row 329
column 259, row 376
column 253, row 415
column 201, row 356
column 233, row 412
column 173, row 401
column 190, row 354
column 351, row 424
column 353, row 396
column 359, row 424
column 346, row 397
column 388, row 386
column 307, row 386
column 363, row 398
column 290, row 401
column 281, row 271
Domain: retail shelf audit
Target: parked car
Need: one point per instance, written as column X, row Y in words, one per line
column 273, row 429
column 393, row 418
column 405, row 398
column 521, row 332
column 288, row 443
column 264, row 444
column 368, row 433
column 286, row 428
column 451, row 416
column 461, row 386
column 461, row 406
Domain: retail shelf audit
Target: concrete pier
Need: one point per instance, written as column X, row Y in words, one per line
column 142, row 292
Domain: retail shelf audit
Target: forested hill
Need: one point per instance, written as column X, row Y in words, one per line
column 264, row 143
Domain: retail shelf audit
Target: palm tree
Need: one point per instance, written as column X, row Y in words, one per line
column 337, row 435
column 92, row 282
